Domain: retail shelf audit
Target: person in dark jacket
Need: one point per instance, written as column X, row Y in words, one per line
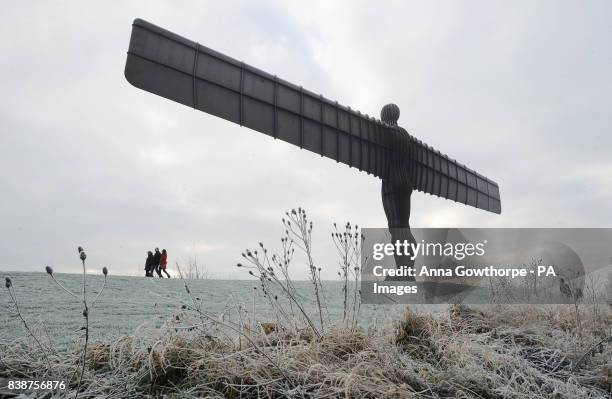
column 156, row 261
column 163, row 263
column 149, row 265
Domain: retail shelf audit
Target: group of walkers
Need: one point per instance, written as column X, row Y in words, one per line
column 156, row 262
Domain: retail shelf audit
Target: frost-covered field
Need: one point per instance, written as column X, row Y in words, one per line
column 558, row 352
column 128, row 302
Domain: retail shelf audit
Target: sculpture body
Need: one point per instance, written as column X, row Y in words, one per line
column 396, row 190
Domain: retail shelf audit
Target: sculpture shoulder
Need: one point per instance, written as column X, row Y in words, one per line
column 402, row 134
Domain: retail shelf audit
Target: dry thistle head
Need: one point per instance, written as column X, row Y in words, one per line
column 80, row 249
column 83, row 256
column 105, row 271
column 7, row 282
column 49, row 270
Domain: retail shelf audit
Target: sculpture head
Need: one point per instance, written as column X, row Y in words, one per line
column 390, row 114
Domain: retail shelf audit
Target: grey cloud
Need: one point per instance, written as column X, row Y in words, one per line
column 519, row 91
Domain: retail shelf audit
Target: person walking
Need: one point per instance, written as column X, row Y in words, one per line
column 163, row 262
column 149, row 265
column 156, row 260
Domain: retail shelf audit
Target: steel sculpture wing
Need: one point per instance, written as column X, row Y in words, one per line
column 435, row 173
column 184, row 71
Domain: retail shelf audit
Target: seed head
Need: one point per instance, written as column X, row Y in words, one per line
column 83, row 255
column 7, row 282
column 80, row 249
column 49, row 270
column 105, row 271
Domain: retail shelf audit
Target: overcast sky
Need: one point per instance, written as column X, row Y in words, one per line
column 519, row 91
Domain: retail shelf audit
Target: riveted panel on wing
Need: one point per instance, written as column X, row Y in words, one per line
column 145, row 66
column 435, row 173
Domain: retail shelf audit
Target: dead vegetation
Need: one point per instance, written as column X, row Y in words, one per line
column 510, row 351
column 513, row 352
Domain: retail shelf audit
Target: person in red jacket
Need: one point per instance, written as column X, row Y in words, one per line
column 163, row 262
